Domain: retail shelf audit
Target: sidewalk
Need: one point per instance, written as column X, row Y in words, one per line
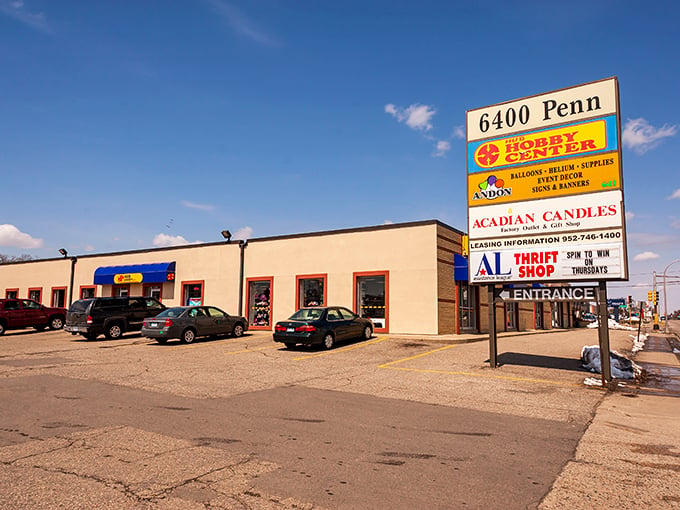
column 629, row 457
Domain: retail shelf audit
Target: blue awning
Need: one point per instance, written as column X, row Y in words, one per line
column 136, row 273
column 460, row 268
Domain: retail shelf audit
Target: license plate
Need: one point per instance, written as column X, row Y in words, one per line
column 290, row 330
column 73, row 328
column 153, row 325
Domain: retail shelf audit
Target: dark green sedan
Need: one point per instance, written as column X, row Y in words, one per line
column 322, row 325
column 189, row 322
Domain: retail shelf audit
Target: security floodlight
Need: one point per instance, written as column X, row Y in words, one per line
column 227, row 235
column 63, row 252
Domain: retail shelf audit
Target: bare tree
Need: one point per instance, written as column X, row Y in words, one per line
column 5, row 259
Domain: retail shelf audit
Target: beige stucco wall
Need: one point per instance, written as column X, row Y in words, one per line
column 217, row 265
column 44, row 274
column 408, row 252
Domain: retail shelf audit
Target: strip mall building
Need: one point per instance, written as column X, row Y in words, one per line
column 409, row 278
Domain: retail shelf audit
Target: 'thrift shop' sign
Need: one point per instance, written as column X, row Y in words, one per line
column 545, row 190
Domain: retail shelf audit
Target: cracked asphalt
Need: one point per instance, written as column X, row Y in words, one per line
column 246, row 424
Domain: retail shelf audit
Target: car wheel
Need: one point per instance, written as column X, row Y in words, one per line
column 289, row 345
column 238, row 330
column 188, row 336
column 2, row 328
column 56, row 322
column 368, row 332
column 328, row 341
column 114, row 331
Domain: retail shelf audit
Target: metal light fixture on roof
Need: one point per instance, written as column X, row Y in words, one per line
column 227, row 235
column 63, row 252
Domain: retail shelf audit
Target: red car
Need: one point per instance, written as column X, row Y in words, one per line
column 26, row 313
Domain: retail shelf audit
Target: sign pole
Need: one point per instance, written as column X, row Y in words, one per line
column 493, row 347
column 603, row 331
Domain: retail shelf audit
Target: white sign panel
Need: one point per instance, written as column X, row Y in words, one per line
column 587, row 263
column 548, row 240
column 548, row 294
column 586, row 101
column 548, row 216
column 536, row 213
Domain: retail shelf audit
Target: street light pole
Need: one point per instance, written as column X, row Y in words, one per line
column 665, row 297
column 655, row 304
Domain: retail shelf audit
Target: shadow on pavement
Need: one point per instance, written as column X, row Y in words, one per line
column 534, row 360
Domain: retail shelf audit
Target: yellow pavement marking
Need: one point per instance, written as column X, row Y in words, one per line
column 344, row 349
column 488, row 376
column 387, row 365
column 469, row 374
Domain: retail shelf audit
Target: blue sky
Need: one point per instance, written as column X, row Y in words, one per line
column 129, row 125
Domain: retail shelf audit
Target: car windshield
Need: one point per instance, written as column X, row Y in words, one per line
column 171, row 312
column 307, row 314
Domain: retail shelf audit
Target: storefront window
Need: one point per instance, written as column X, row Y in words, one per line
column 538, row 312
column 35, row 295
column 557, row 314
column 467, row 297
column 192, row 293
column 121, row 290
column 511, row 316
column 87, row 292
column 259, row 303
column 11, row 293
column 371, row 298
column 59, row 296
column 311, row 291
column 153, row 291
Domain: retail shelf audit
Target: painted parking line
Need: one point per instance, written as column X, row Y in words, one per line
column 468, row 374
column 388, row 365
column 344, row 349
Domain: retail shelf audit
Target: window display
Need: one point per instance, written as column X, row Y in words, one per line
column 192, row 294
column 259, row 303
column 311, row 292
column 372, row 299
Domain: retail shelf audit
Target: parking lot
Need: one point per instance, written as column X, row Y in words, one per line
column 247, row 423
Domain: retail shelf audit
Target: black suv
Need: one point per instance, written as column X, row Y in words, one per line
column 111, row 316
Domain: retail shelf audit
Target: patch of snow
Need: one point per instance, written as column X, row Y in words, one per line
column 592, row 381
column 612, row 324
column 638, row 342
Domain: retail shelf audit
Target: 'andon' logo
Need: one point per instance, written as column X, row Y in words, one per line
column 491, row 188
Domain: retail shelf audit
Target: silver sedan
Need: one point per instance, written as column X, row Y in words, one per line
column 189, row 322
